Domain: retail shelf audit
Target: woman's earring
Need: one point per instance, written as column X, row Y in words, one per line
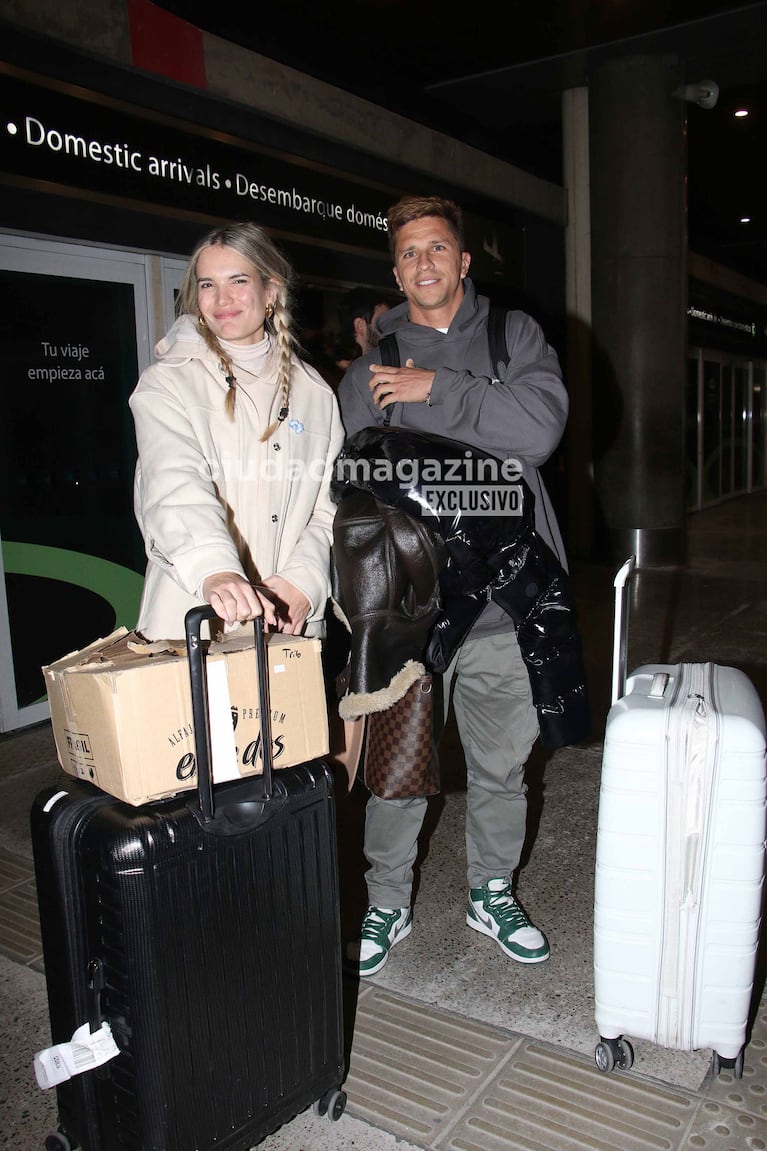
column 269, row 311
column 201, row 320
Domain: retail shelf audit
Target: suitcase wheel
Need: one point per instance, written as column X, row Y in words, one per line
column 611, row 1053
column 57, row 1141
column 332, row 1104
column 719, row 1063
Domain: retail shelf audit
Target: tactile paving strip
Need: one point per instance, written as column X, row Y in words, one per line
column 733, row 1113
column 451, row 1084
column 412, row 1069
column 717, row 1128
column 19, row 920
column 13, row 870
column 546, row 1098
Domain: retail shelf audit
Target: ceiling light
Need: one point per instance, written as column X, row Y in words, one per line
column 741, row 112
column 745, row 219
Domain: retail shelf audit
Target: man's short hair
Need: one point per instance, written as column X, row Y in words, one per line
column 411, row 208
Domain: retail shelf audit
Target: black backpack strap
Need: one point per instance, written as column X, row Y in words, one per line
column 387, row 354
column 496, row 339
column 388, row 351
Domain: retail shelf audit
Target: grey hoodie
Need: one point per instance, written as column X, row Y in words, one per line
column 521, row 416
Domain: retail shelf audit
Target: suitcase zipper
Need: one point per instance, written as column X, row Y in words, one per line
column 688, row 775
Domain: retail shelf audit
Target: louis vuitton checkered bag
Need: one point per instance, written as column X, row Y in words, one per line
column 400, row 758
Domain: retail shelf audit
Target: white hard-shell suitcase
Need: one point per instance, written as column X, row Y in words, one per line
column 680, row 857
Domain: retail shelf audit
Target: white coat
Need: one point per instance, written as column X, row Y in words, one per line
column 210, row 497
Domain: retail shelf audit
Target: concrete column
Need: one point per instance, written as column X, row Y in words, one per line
column 639, row 302
column 580, row 476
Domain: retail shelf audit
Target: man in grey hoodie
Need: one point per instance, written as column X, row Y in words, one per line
column 448, row 386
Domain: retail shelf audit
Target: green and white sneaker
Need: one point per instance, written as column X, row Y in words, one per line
column 494, row 911
column 381, row 929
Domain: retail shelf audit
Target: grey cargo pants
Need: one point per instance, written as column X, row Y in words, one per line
column 498, row 726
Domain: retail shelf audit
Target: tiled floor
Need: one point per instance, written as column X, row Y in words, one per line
column 452, row 1047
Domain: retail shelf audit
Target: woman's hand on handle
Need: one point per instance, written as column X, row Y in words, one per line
column 292, row 605
column 235, row 600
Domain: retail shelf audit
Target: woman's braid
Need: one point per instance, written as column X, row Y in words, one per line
column 226, row 365
column 285, row 349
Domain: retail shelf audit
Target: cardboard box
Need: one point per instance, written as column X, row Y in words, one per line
column 122, row 714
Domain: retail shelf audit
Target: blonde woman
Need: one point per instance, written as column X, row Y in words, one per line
column 236, row 440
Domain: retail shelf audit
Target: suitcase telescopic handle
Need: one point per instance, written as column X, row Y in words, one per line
column 201, row 712
column 621, row 627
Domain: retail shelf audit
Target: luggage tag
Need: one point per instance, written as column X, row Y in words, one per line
column 85, row 1050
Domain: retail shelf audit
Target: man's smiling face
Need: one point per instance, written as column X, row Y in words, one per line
column 429, row 269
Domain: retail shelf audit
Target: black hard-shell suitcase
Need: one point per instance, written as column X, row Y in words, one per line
column 204, row 929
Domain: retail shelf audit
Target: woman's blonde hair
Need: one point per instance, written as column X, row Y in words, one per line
column 253, row 243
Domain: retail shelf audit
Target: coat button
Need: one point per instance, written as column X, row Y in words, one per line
column 275, row 519
column 278, row 447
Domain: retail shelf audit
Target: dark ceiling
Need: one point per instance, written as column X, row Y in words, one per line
column 491, row 74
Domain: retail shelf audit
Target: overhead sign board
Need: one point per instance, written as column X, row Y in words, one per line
column 70, row 139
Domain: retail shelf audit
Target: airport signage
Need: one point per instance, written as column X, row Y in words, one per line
column 70, row 138
column 71, row 141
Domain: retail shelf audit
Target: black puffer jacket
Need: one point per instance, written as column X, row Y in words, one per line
column 487, row 554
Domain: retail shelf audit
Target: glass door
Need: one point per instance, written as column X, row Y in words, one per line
column 74, row 336
column 759, row 427
column 693, row 430
column 741, row 426
column 711, row 479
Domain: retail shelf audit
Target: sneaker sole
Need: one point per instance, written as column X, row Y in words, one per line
column 478, row 925
column 357, row 967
